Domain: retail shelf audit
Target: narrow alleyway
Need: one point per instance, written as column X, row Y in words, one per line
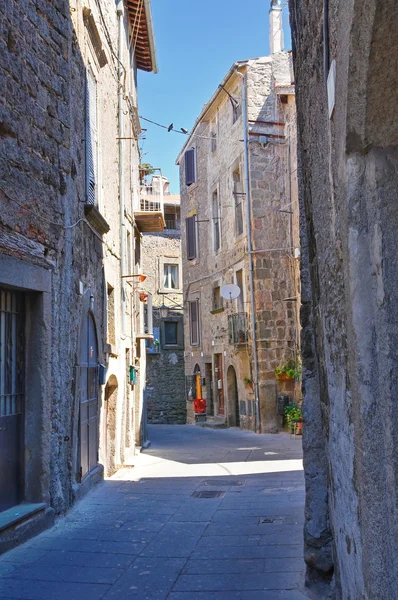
column 204, row 514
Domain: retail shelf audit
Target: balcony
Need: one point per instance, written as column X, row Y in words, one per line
column 237, row 328
column 149, row 214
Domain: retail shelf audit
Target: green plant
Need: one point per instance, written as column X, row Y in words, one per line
column 247, row 381
column 147, row 168
column 292, row 413
column 292, row 370
column 156, row 343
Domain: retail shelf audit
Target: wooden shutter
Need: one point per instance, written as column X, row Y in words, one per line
column 190, row 167
column 191, row 237
column 91, row 138
column 194, row 322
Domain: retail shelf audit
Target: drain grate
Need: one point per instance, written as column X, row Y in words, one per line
column 208, row 494
column 223, row 482
column 266, row 520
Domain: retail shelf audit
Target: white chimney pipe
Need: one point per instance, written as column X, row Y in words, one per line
column 275, row 27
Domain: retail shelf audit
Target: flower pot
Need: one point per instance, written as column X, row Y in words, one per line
column 143, row 297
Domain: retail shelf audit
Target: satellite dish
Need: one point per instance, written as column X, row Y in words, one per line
column 230, row 291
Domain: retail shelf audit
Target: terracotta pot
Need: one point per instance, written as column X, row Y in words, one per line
column 143, row 297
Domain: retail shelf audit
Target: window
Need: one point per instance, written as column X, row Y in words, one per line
column 217, row 300
column 91, row 139
column 239, row 283
column 170, row 277
column 238, row 196
column 236, row 106
column 194, row 322
column 216, row 222
column 171, row 220
column 190, row 167
column 170, row 333
column 191, row 237
column 110, row 308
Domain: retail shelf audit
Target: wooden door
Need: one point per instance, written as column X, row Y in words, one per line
column 12, row 386
column 88, row 397
column 219, row 384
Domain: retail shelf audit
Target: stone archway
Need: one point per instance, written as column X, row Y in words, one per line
column 111, row 391
column 233, row 398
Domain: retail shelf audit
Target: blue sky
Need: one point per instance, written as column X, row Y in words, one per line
column 196, row 44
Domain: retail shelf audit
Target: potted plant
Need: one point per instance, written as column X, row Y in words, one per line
column 241, row 336
column 293, row 415
column 143, row 296
column 145, row 169
column 248, row 383
column 291, row 370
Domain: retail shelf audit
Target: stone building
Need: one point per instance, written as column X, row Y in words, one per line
column 165, row 380
column 69, row 234
column 347, row 91
column 240, row 226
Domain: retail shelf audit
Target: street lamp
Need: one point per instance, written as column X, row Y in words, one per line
column 164, row 311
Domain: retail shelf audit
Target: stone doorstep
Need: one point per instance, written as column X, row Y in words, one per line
column 19, row 513
column 22, row 522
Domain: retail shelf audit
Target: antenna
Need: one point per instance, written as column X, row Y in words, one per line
column 230, row 291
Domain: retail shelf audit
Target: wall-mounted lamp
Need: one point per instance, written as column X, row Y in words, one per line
column 164, row 311
column 92, row 303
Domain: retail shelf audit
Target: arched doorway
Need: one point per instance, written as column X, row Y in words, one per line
column 233, row 399
column 88, row 397
column 111, row 391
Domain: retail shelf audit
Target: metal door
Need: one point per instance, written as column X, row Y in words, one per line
column 220, row 389
column 12, row 355
column 88, row 397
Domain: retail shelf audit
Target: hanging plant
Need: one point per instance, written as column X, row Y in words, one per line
column 291, row 370
column 143, row 296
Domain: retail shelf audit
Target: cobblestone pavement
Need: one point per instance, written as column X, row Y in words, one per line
column 203, row 515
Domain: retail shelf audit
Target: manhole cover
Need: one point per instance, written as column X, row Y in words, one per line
column 223, row 482
column 208, row 494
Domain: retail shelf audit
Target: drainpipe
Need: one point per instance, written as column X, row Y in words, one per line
column 120, row 14
column 250, row 249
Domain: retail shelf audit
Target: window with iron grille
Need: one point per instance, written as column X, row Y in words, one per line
column 194, row 322
column 191, row 237
column 190, row 166
column 216, row 222
column 91, row 140
column 171, row 220
column 12, row 350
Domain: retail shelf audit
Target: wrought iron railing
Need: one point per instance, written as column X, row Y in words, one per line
column 238, row 328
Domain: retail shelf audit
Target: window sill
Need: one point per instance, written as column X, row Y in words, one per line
column 95, row 218
column 215, row 311
column 19, row 513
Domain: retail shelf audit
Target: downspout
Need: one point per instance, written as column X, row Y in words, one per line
column 120, row 14
column 326, row 39
column 250, row 250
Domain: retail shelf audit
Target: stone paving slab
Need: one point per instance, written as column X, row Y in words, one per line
column 142, row 535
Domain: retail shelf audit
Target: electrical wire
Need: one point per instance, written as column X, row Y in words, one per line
column 51, row 222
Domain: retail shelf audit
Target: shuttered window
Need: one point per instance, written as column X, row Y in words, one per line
column 191, row 237
column 91, row 139
column 190, row 167
column 194, row 322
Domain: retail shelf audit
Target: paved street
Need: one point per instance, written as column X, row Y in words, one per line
column 204, row 514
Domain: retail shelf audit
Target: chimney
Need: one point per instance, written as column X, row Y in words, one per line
column 275, row 27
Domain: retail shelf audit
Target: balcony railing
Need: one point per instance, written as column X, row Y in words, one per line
column 237, row 328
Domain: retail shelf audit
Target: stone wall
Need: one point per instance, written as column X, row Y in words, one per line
column 165, row 378
column 273, row 187
column 45, row 50
column 348, row 180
